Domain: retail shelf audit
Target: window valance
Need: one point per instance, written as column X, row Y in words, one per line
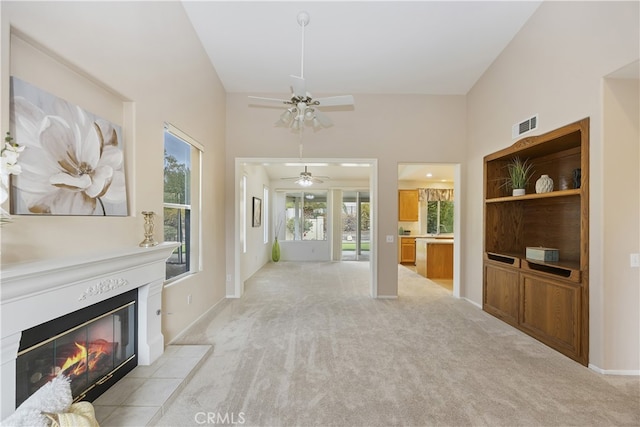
column 435, row 195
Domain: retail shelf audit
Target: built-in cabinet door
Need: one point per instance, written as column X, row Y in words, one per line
column 550, row 311
column 501, row 292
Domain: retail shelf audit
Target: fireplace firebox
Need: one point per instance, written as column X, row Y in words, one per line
column 94, row 347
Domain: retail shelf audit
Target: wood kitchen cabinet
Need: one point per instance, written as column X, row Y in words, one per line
column 547, row 300
column 434, row 259
column 440, row 261
column 407, row 250
column 408, row 205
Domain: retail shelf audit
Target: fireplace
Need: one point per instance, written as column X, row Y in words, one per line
column 104, row 307
column 94, row 347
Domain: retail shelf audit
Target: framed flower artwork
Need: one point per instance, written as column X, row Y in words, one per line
column 73, row 160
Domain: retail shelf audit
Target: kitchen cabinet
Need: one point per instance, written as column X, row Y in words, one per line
column 408, row 205
column 407, row 250
column 434, row 258
column 547, row 300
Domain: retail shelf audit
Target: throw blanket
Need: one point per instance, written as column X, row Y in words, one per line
column 80, row 414
column 51, row 405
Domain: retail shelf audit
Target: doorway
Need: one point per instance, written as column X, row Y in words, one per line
column 356, row 226
column 436, row 224
column 277, row 174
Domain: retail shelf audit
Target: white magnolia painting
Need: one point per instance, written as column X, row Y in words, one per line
column 73, row 161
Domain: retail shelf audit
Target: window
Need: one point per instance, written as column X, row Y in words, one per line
column 179, row 182
column 243, row 213
column 306, row 215
column 439, row 217
column 265, row 209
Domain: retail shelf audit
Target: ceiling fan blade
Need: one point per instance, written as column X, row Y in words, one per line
column 298, row 86
column 263, row 100
column 332, row 101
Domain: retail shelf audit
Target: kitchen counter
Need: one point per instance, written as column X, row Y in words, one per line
column 434, row 257
column 436, row 240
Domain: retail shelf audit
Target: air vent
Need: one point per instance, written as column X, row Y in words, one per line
column 524, row 126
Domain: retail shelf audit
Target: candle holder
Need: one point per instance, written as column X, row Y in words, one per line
column 148, row 230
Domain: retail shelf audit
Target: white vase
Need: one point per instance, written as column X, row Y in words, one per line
column 518, row 192
column 544, row 184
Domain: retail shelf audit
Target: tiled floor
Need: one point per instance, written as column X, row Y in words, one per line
column 140, row 398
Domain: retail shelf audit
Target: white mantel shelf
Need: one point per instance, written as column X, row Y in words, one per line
column 22, row 279
column 32, row 293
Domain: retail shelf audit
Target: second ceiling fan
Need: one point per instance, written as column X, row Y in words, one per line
column 302, row 107
column 306, row 179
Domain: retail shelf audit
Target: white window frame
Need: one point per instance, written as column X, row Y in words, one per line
column 266, row 213
column 197, row 154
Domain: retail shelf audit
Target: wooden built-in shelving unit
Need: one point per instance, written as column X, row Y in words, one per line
column 547, row 300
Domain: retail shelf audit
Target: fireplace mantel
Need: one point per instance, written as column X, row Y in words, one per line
column 29, row 278
column 36, row 292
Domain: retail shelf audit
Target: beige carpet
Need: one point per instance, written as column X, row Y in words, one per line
column 307, row 346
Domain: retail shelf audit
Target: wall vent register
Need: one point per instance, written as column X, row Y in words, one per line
column 524, row 126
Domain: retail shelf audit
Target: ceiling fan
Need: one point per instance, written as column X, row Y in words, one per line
column 302, row 107
column 306, row 179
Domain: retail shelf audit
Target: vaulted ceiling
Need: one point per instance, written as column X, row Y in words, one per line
column 393, row 47
column 372, row 47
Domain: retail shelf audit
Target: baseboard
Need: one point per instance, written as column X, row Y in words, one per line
column 387, row 297
column 631, row 373
column 215, row 306
column 472, row 302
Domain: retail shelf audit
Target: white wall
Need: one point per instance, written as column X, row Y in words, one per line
column 147, row 58
column 555, row 67
column 258, row 253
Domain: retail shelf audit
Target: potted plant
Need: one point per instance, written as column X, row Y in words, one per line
column 520, row 172
column 275, row 249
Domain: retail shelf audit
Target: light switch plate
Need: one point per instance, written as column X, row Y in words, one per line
column 635, row 260
column 390, row 238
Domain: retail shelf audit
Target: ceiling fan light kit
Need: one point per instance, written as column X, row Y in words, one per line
column 303, row 108
column 304, row 182
column 306, row 179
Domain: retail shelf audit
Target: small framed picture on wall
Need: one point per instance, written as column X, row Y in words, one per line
column 257, row 212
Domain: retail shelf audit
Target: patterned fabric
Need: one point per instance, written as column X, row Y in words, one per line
column 435, row 195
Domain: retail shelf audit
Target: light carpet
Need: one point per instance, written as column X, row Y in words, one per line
column 307, row 346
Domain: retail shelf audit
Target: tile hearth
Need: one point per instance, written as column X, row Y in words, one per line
column 140, row 398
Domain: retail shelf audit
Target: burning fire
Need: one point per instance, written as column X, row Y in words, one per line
column 79, row 358
column 84, row 359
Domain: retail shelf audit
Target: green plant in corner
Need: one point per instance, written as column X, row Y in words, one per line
column 520, row 172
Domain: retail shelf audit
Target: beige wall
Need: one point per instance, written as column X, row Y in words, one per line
column 555, row 67
column 146, row 57
column 621, row 216
column 391, row 128
column 258, row 253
